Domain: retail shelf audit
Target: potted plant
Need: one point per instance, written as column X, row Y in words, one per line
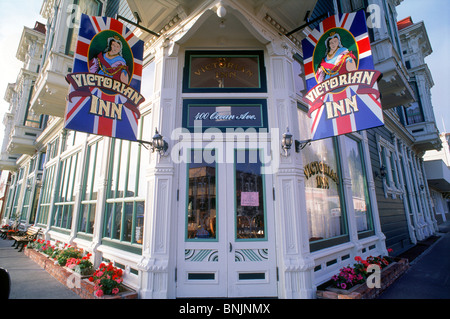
column 107, row 280
column 82, row 266
column 349, row 278
column 69, row 252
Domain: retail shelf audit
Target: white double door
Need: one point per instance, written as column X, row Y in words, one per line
column 226, row 232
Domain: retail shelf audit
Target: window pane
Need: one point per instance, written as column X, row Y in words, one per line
column 89, row 7
column 322, row 188
column 250, row 210
column 66, row 195
column 201, row 209
column 139, row 222
column 128, row 211
column 361, row 202
column 133, row 172
column 122, row 169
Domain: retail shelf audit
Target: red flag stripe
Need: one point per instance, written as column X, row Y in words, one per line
column 312, row 38
column 105, row 124
column 69, row 114
column 309, row 68
column 137, row 69
column 116, row 25
column 130, row 36
column 345, row 19
column 329, row 23
column 364, row 45
column 82, row 48
column 96, row 24
column 343, row 123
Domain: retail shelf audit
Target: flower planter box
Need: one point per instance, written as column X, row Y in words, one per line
column 80, row 275
column 128, row 293
column 79, row 284
column 362, row 291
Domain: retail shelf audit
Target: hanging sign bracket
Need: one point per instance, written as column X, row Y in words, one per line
column 309, row 22
column 137, row 25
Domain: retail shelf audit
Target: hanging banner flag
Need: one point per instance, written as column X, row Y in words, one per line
column 104, row 94
column 342, row 87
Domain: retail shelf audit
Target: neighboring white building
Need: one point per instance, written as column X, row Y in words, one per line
column 437, row 167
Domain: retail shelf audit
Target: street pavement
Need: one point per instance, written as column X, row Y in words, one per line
column 429, row 274
column 28, row 279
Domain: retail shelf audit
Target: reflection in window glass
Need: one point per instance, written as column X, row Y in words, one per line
column 89, row 193
column 124, row 217
column 250, row 210
column 66, row 192
column 323, row 194
column 201, row 197
column 46, row 194
column 359, row 185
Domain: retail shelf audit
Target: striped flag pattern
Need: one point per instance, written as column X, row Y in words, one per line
column 78, row 116
column 370, row 110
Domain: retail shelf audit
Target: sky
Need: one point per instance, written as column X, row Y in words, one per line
column 15, row 14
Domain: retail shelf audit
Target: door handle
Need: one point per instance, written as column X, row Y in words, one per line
column 231, row 247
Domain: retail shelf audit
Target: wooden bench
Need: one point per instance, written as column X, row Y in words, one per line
column 4, row 232
column 31, row 234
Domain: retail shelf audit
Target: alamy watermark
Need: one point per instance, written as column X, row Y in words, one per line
column 218, row 146
column 374, row 280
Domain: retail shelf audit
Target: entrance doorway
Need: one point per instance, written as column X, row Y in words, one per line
column 226, row 233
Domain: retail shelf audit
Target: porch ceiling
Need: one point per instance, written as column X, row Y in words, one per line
column 156, row 13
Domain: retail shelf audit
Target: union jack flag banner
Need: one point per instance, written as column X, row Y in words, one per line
column 104, row 93
column 343, row 94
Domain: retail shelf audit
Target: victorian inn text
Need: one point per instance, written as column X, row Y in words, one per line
column 202, row 176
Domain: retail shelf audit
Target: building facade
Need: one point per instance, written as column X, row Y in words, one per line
column 436, row 165
column 225, row 211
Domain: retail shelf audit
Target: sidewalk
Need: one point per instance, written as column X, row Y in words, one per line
column 28, row 280
column 429, row 274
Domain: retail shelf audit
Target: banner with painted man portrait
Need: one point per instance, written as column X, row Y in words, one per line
column 104, row 94
column 343, row 94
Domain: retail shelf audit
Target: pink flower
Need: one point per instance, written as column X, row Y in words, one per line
column 115, row 291
column 99, row 293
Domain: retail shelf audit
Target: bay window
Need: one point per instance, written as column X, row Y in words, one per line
column 324, row 198
column 124, row 217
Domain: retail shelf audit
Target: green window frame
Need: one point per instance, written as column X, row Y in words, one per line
column 79, row 6
column 315, row 177
column 360, row 187
column 46, row 195
column 89, row 190
column 125, row 196
column 26, row 199
column 64, row 205
column 201, row 227
column 11, row 194
column 250, row 179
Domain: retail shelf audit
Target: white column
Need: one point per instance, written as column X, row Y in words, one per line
column 157, row 264
column 101, row 202
column 295, row 264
